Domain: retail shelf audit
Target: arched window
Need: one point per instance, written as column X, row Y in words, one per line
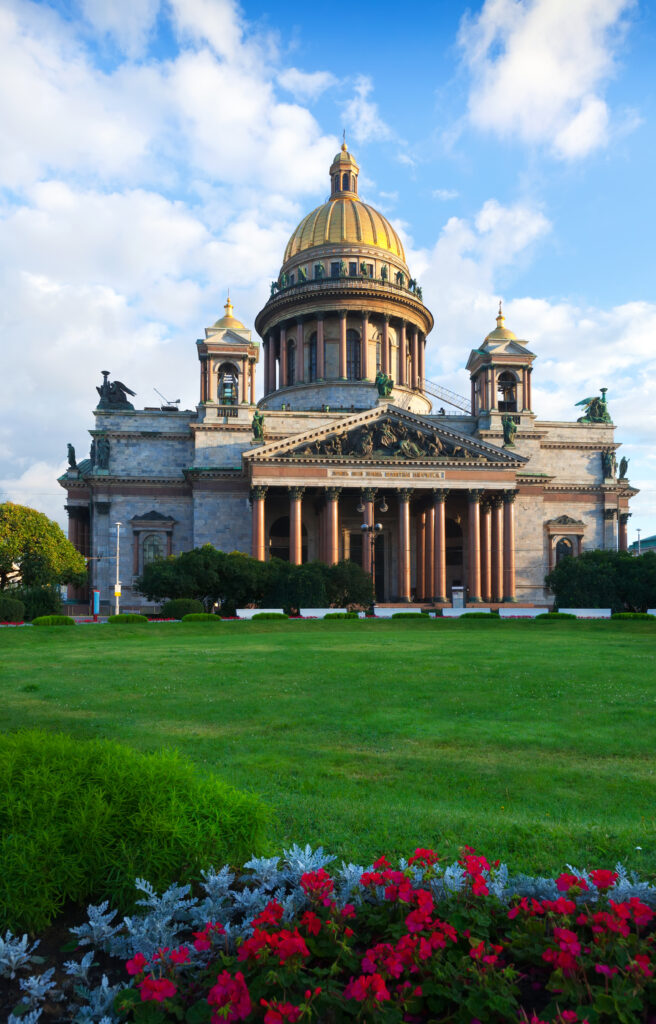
column 345, row 182
column 153, row 548
column 291, row 362
column 312, row 357
column 227, row 389
column 352, row 355
column 507, row 388
column 564, row 549
column 378, row 355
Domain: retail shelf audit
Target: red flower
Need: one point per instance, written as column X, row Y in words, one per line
column 232, row 993
column 203, row 940
column 565, row 882
column 317, row 883
column 136, row 964
column 641, row 965
column 278, row 1013
column 381, row 863
column 180, row 955
column 424, row 857
column 272, row 914
column 156, row 989
column 603, row 878
column 311, row 922
column 604, row 969
column 560, row 906
column 363, row 988
column 479, row 888
column 347, row 911
column 642, row 914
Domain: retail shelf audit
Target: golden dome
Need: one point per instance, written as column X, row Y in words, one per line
column 501, row 333
column 229, row 320
column 344, row 219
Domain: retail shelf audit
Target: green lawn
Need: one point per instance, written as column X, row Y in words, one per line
column 532, row 742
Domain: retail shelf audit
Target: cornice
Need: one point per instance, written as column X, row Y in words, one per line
column 591, row 446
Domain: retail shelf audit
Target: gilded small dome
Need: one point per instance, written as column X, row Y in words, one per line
column 344, row 220
column 228, row 320
column 501, row 333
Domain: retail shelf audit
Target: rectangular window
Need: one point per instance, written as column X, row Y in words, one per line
column 353, row 269
column 370, row 269
column 334, row 269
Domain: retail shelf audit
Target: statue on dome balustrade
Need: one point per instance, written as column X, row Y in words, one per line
column 384, row 383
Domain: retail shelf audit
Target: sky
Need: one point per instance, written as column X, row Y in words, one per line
column 155, row 154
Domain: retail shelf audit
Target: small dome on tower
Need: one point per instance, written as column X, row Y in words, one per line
column 501, row 333
column 228, row 320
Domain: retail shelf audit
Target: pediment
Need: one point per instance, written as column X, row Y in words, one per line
column 387, row 435
column 565, row 521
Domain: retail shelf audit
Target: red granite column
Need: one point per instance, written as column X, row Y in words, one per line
column 486, row 551
column 252, row 380
column 474, row 509
column 342, row 344
column 385, row 361
column 404, row 545
column 624, row 535
column 296, row 524
column 258, row 494
column 439, row 546
column 414, row 359
column 429, row 578
column 282, row 381
column 509, row 546
column 332, row 496
column 244, row 382
column 300, row 352
column 364, row 346
column 497, row 549
column 321, row 357
column 422, row 358
column 368, row 495
column 421, row 556
column 401, row 374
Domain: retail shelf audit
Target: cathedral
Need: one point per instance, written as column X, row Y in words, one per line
column 351, row 453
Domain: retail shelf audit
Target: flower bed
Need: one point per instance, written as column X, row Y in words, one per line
column 289, row 941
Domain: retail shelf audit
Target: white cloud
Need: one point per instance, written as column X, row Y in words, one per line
column 361, row 115
column 538, row 68
column 129, row 22
column 444, row 194
column 306, row 85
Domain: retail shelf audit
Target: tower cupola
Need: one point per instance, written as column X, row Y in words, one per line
column 344, row 175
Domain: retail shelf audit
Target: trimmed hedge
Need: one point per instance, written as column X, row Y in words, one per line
column 410, row 615
column 81, row 819
column 269, row 615
column 11, row 609
column 126, row 618
column 53, row 620
column 181, row 606
column 549, row 616
column 633, row 615
column 477, row 615
column 201, row 617
column 341, row 615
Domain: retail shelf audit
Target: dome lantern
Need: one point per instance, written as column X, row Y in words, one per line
column 343, row 175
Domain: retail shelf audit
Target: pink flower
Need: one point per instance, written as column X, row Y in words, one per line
column 156, row 989
column 278, row 1013
column 136, row 964
column 232, row 993
column 363, row 988
column 606, row 970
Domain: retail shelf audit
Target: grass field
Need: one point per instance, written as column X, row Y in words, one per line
column 534, row 743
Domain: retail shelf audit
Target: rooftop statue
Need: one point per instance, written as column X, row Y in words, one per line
column 596, row 410
column 113, row 395
column 72, row 464
column 257, row 424
column 384, row 383
column 624, row 465
column 608, row 463
column 509, row 430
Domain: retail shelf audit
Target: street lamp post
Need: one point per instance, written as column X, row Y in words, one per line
column 370, row 531
column 117, row 583
column 639, row 531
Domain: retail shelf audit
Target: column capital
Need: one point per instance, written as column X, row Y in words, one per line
column 342, row 313
column 369, row 493
column 258, row 492
column 333, row 493
column 440, row 494
column 509, row 497
column 319, row 316
column 610, row 513
column 496, row 501
column 486, row 505
column 296, row 493
column 405, row 493
column 365, row 313
column 624, row 517
column 386, row 317
column 475, row 496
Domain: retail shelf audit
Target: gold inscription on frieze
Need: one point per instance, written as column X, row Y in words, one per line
column 387, row 474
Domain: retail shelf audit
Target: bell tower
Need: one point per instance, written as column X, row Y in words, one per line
column 228, row 358
column 500, row 372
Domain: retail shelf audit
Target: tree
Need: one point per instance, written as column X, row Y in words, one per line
column 605, row 579
column 36, row 548
column 348, row 584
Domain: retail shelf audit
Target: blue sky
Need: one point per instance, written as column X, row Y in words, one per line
column 154, row 154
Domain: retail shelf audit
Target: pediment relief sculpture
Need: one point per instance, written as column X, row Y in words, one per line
column 386, row 439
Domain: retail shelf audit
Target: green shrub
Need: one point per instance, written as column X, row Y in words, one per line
column 341, row 615
column 181, row 606
column 201, row 617
column 476, row 615
column 53, row 620
column 11, row 609
column 410, row 615
column 39, row 601
column 633, row 615
column 81, row 819
column 549, row 616
column 126, row 618
column 269, row 615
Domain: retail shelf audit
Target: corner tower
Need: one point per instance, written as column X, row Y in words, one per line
column 344, row 309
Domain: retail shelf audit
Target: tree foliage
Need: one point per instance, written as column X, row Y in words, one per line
column 237, row 580
column 605, row 579
column 36, row 548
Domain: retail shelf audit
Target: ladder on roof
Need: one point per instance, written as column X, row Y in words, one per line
column 446, row 395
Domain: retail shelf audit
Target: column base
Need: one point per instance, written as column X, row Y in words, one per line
column 475, row 600
column 510, row 600
column 440, row 600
